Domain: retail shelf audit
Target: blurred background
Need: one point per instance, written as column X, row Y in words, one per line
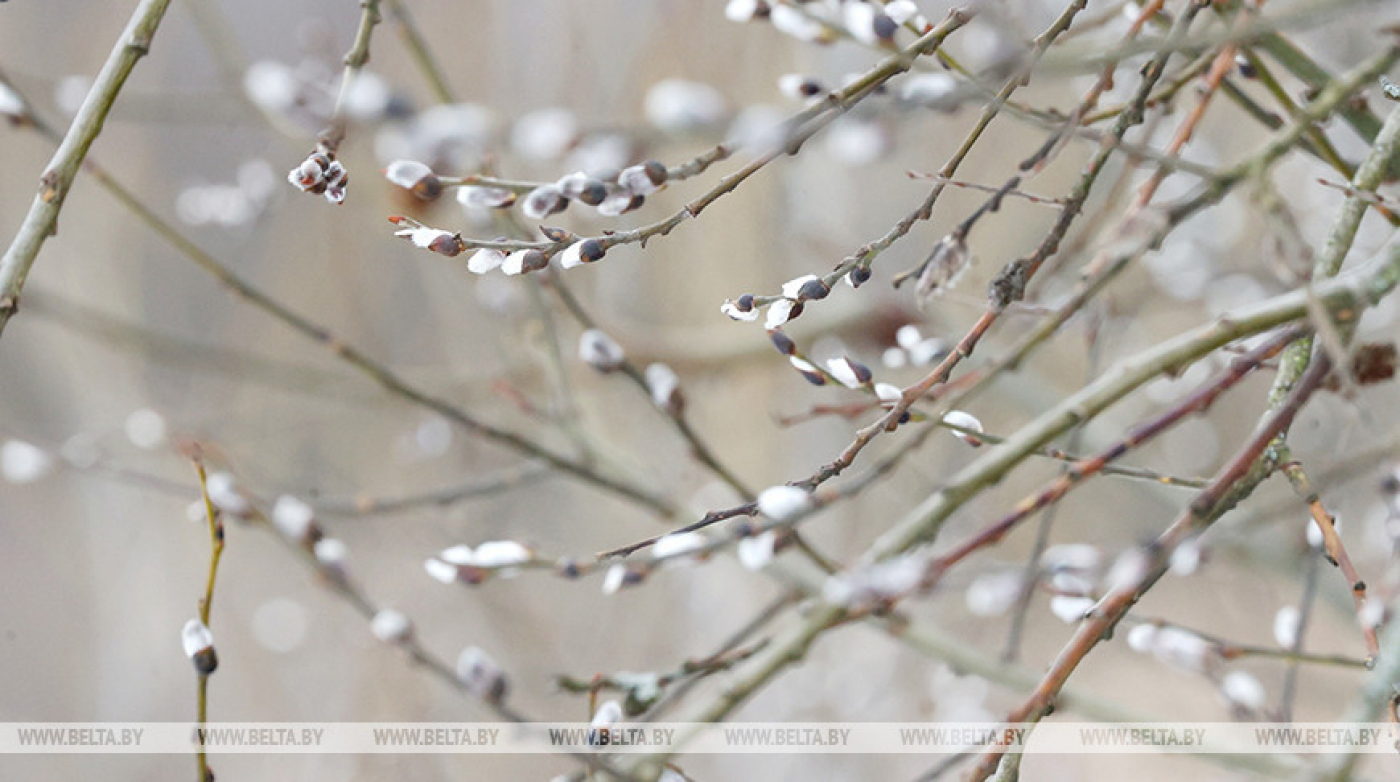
column 123, row 349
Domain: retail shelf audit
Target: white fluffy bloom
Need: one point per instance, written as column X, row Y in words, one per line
column 1242, row 689
column 797, row 24
column 1182, row 648
column 1372, row 614
column 458, row 555
column 803, row 365
column 664, row 385
column 480, row 675
column 1186, row 558
column 964, row 420
column 928, row 89
column 607, row 715
column 225, row 494
column 1071, row 582
column 643, row 178
column 614, row 579
column 10, row 103
column 485, row 260
column 926, row 351
column 271, row 86
column 1142, row 637
column 782, row 503
column 847, row 372
column 445, row 572
column 600, row 351
column 743, row 10
column 415, row 177
column 908, row 336
column 756, row 551
column 795, row 85
column 544, row 134
column 145, row 428
column 779, row 312
column 368, row 97
column 543, row 201
column 793, row 287
column 480, row 197
column 680, row 106
column 195, row 637
column 496, row 554
column 514, row 263
column 679, row 544
column 1069, row 608
column 292, row 517
column 732, row 310
column 888, row 392
column 1129, row 570
column 888, row 580
column 1315, row 537
column 1287, row 622
column 573, row 255
column 901, row 11
column 22, row 462
column 859, row 17
column 391, row 626
column 330, row 552
column 407, row 173
column 992, row 594
column 424, row 236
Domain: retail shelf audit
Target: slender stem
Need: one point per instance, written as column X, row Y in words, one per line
column 1030, row 572
column 1377, row 695
column 362, row 362
column 1336, row 552
column 800, row 128
column 206, row 604
column 1236, row 480
column 1115, row 256
column 58, row 176
column 1196, row 402
column 1305, row 607
column 355, row 60
column 1024, row 270
column 1347, row 296
column 479, row 486
column 418, row 48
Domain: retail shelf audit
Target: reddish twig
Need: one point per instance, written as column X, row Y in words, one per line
column 1230, row 485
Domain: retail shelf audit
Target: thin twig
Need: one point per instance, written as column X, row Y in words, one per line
column 206, row 605
column 1305, row 607
column 1332, row 545
column 419, row 50
column 58, row 176
column 1197, row 401
column 362, row 362
column 1349, row 293
column 354, row 61
column 1236, row 480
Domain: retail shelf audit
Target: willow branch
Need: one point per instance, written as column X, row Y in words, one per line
column 1234, row 482
column 58, row 176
